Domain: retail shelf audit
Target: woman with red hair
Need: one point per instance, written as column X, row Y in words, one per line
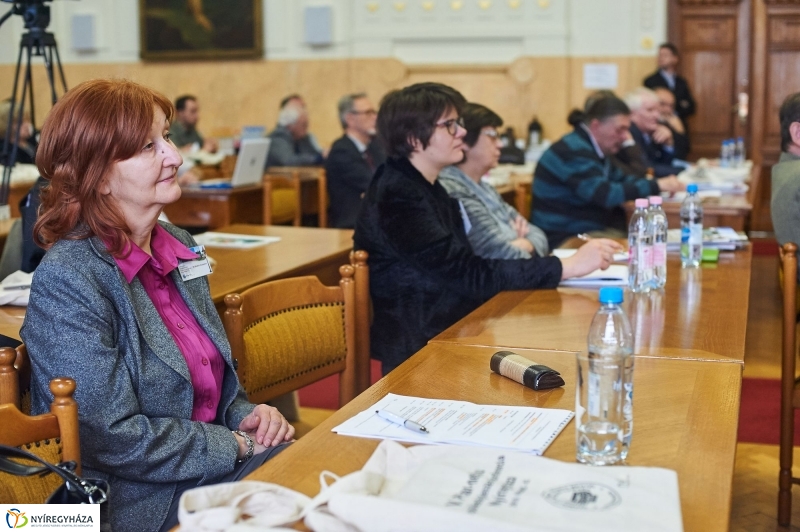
column 161, row 408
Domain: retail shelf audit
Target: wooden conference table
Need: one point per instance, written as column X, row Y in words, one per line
column 301, row 251
column 686, row 401
column 686, row 419
column 701, row 314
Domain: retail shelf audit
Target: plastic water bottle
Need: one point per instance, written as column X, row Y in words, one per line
column 640, row 249
column 726, row 153
column 691, row 229
column 739, row 156
column 605, row 408
column 657, row 222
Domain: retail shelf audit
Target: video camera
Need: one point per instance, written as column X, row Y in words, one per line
column 34, row 12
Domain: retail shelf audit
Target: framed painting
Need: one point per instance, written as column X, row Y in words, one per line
column 200, row 29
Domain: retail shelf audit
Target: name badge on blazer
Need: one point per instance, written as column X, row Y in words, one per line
column 199, row 267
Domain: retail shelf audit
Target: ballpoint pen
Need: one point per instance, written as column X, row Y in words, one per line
column 400, row 420
column 584, row 237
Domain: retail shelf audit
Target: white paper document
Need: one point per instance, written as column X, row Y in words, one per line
column 622, row 256
column 614, row 275
column 508, row 427
column 231, row 240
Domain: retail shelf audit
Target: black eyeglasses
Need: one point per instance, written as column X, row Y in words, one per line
column 368, row 112
column 452, row 125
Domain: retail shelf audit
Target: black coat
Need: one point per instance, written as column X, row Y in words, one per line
column 684, row 103
column 423, row 274
column 348, row 174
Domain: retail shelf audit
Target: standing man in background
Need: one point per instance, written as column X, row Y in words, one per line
column 183, row 130
column 667, row 76
column 353, row 159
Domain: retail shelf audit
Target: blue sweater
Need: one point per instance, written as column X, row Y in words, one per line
column 577, row 191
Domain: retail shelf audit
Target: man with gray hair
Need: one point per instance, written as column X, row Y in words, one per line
column 292, row 144
column 652, row 150
column 785, row 205
column 352, row 160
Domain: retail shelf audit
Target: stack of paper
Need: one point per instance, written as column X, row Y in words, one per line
column 724, row 238
column 615, row 275
column 459, row 422
column 230, row 240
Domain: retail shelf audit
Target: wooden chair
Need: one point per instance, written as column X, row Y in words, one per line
column 790, row 388
column 289, row 333
column 363, row 319
column 15, row 378
column 284, row 200
column 53, row 437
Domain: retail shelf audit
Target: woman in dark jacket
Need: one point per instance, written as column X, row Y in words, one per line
column 423, row 274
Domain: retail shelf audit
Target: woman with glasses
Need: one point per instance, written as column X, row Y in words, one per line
column 424, row 275
column 497, row 230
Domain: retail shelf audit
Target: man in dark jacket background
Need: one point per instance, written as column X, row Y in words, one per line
column 353, row 159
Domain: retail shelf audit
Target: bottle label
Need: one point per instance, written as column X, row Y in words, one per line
column 594, row 394
column 685, row 234
column 696, row 234
column 659, row 254
column 647, row 257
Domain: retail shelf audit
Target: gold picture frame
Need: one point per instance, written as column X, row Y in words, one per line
column 196, row 29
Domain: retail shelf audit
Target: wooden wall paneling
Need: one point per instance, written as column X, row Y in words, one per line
column 710, row 50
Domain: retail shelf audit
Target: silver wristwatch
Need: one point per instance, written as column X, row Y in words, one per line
column 251, row 446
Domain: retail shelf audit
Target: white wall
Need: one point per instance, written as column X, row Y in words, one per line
column 414, row 31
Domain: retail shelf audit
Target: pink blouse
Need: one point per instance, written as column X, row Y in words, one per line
column 206, row 366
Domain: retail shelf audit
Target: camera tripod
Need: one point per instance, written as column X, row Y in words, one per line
column 36, row 42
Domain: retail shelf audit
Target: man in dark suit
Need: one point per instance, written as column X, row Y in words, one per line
column 352, row 160
column 666, row 105
column 667, row 76
column 652, row 150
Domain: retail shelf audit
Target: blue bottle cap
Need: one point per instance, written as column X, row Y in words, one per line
column 691, row 189
column 611, row 294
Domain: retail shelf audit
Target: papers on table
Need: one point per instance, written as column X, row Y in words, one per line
column 564, row 253
column 16, row 289
column 231, row 240
column 615, row 275
column 723, row 238
column 459, row 422
column 708, row 176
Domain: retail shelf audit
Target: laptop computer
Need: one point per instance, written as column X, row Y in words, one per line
column 249, row 166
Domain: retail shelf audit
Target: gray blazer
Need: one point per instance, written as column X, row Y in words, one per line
column 490, row 218
column 134, row 393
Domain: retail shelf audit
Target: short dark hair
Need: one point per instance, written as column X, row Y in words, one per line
column 671, row 47
column 411, row 113
column 605, row 107
column 289, row 98
column 576, row 116
column 180, row 103
column 789, row 113
column 476, row 117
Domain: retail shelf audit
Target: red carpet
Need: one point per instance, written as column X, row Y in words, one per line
column 760, row 412
column 764, row 246
column 325, row 393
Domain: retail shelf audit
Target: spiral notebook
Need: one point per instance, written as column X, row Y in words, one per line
column 520, row 428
